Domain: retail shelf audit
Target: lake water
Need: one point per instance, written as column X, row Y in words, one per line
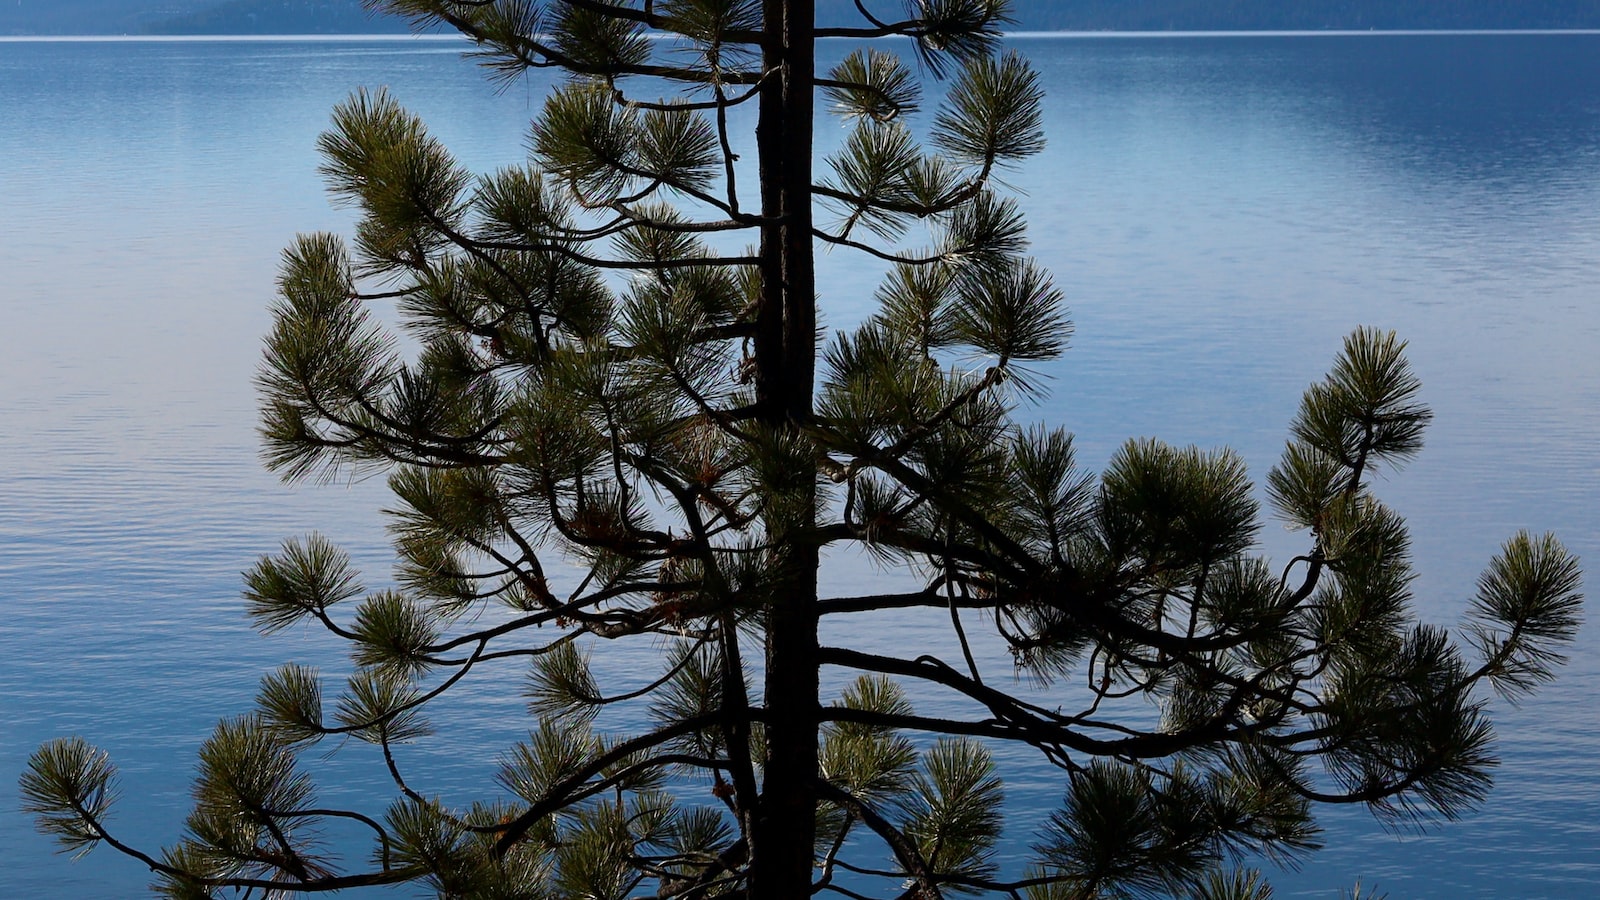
column 1219, row 210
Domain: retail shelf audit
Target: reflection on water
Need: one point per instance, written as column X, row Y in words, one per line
column 1220, row 211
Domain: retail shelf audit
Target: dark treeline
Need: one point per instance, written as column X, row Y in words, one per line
column 58, row 17
column 1251, row 15
column 348, row 16
column 90, row 16
column 313, row 16
column 283, row 17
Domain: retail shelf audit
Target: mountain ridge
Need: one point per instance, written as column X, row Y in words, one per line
column 223, row 17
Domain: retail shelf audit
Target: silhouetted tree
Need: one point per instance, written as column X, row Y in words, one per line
column 603, row 375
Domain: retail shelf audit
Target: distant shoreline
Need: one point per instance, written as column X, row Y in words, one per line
column 389, row 37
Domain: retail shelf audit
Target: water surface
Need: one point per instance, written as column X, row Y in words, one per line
column 1220, row 212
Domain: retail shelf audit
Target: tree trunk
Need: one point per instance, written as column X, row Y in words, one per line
column 785, row 350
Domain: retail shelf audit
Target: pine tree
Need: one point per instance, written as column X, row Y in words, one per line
column 616, row 364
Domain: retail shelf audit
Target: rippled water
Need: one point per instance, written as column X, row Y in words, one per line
column 1220, row 212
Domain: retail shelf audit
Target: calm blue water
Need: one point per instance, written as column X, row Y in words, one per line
column 1220, row 212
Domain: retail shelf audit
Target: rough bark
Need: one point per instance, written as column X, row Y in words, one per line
column 785, row 349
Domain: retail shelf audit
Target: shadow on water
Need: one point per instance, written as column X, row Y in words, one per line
column 1464, row 107
column 1459, row 106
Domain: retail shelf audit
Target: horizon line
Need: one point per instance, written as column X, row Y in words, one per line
column 1123, row 35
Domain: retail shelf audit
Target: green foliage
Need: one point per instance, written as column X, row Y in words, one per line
column 1365, row 411
column 606, row 429
column 588, row 142
column 960, row 30
column 561, row 685
column 875, row 764
column 878, row 161
column 1127, row 832
column 380, row 706
column 556, row 751
column 1239, row 884
column 290, row 704
column 392, row 633
column 69, row 786
column 874, row 85
column 305, row 580
column 1528, row 605
column 247, row 781
column 952, row 811
column 992, row 112
column 1176, row 508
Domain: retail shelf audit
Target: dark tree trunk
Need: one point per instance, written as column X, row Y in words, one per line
column 785, row 349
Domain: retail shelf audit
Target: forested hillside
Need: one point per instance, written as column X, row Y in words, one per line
column 90, row 16
column 346, row 16
column 283, row 17
column 1250, row 15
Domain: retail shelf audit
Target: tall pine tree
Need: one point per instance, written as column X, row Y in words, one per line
column 619, row 364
